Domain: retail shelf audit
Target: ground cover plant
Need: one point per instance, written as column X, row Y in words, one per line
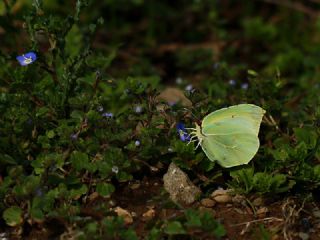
column 96, row 98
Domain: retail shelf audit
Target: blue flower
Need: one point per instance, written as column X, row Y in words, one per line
column 184, row 136
column 232, row 82
column 115, row 169
column 179, row 80
column 138, row 109
column 244, row 86
column 74, row 136
column 107, row 114
column 189, row 88
column 172, row 103
column 27, row 58
column 137, row 143
column 100, row 109
column 39, row 192
column 29, row 121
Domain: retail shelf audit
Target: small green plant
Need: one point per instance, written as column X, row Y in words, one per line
column 192, row 223
column 247, row 181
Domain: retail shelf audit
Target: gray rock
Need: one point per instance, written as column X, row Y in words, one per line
column 207, row 202
column 179, row 186
column 303, row 236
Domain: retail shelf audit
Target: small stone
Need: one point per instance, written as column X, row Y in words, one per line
column 275, row 237
column 112, row 203
column 257, row 202
column 261, row 212
column 303, row 236
column 220, row 191
column 316, row 213
column 207, row 202
column 93, row 196
column 172, row 94
column 221, row 195
column 223, row 198
column 239, row 211
column 148, row 215
column 239, row 199
column 205, row 209
column 249, row 211
column 125, row 214
column 135, row 186
column 179, row 186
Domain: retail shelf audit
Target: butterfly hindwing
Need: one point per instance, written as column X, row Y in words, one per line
column 230, row 135
column 231, row 150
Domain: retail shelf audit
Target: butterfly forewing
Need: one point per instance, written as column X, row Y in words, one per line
column 248, row 116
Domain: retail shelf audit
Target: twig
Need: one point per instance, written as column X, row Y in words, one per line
column 259, row 220
column 294, row 5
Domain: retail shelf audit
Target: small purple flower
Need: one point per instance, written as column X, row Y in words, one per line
column 39, row 192
column 189, row 88
column 107, row 114
column 115, row 169
column 100, row 109
column 26, row 59
column 29, row 121
column 232, row 82
column 179, row 80
column 74, row 136
column 126, row 91
column 172, row 103
column 137, row 143
column 244, row 86
column 138, row 109
column 184, row 136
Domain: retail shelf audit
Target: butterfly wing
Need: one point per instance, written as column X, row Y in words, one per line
column 230, row 135
column 247, row 116
column 231, row 150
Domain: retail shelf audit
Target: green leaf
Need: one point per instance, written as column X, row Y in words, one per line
column 129, row 234
column 252, row 73
column 42, row 111
column 79, row 160
column 13, row 216
column 154, row 234
column 76, row 193
column 174, row 227
column 306, row 135
column 6, row 159
column 193, row 218
column 105, row 189
column 50, row 134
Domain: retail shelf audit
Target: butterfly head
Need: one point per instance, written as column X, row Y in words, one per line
column 198, row 134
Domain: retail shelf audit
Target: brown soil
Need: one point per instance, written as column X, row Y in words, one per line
column 283, row 217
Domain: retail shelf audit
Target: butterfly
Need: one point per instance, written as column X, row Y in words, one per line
column 230, row 135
